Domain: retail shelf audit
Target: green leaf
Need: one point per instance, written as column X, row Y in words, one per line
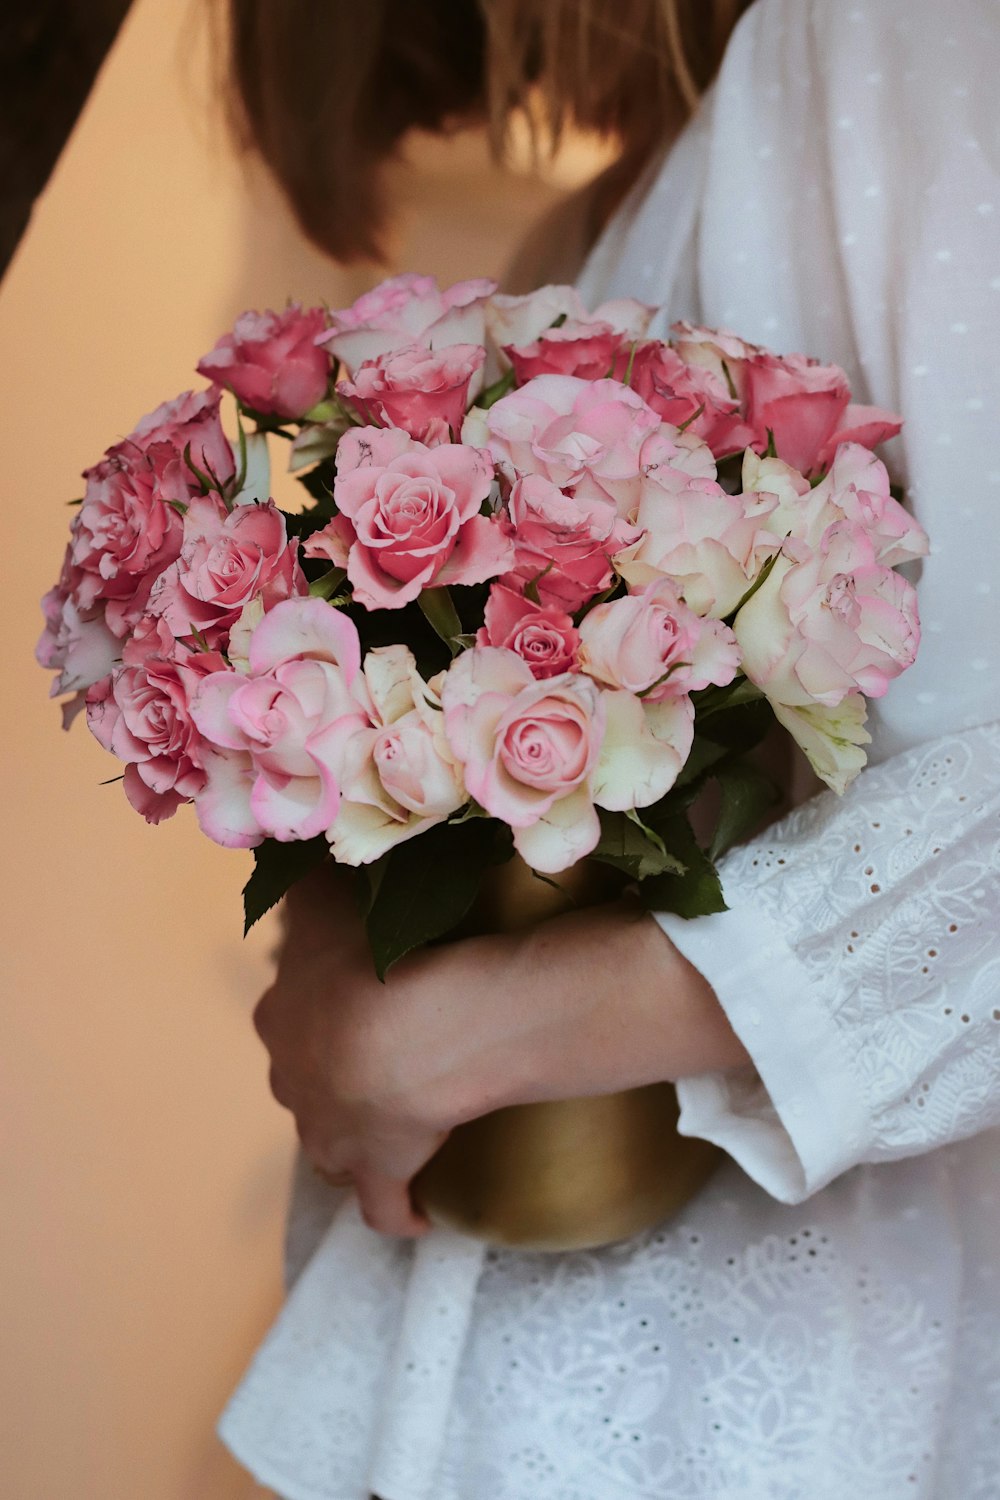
column 627, row 377
column 737, row 716
column 713, row 699
column 428, row 885
column 758, row 582
column 531, row 587
column 741, row 727
column 629, row 845
column 746, row 794
column 698, row 891
column 701, row 757
column 494, row 392
column 327, row 584
column 302, row 524
column 692, row 418
column 276, row 868
column 439, row 610
column 734, row 394
column 206, row 482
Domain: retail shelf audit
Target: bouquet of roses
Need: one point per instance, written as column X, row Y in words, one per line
column 551, row 578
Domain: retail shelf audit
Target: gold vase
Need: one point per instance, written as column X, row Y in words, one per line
column 567, row 1174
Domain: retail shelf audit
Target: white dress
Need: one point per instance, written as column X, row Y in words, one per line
column 823, row 1321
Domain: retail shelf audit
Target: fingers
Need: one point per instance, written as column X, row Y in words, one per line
column 334, row 1179
column 323, row 901
column 386, row 1205
column 282, row 1094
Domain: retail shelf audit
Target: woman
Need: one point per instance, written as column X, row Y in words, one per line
column 824, row 1319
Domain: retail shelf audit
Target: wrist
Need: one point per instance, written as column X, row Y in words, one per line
column 620, row 1007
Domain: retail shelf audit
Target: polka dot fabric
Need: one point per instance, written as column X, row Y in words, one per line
column 824, row 1319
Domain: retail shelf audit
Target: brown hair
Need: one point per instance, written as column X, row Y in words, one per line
column 325, row 90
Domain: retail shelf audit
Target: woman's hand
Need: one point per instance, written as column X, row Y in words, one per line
column 377, row 1075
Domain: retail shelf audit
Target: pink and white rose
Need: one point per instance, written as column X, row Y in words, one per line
column 278, row 734
column 832, row 739
column 399, row 774
column 227, row 558
column 828, row 623
column 719, row 351
column 518, row 321
column 712, row 545
column 528, row 750
column 540, row 754
column 652, row 645
column 423, row 391
column 271, row 361
column 543, row 635
column 410, row 517
column 406, row 310
column 857, row 489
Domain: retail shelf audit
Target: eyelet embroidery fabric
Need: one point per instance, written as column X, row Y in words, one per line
column 824, row 1319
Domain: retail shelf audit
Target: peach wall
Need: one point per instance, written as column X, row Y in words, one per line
column 144, row 1164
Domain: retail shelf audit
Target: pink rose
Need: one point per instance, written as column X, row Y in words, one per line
column 689, row 395
column 806, row 406
column 516, row 322
column 271, row 361
column 226, row 559
column 423, row 391
column 190, row 420
column 410, row 517
column 828, row 623
column 407, row 310
column 127, row 531
column 541, row 634
column 142, row 714
column 579, row 434
column 562, row 543
column 711, row 545
column 588, row 350
column 278, row 735
column 399, row 775
column 652, row 645
column 539, row 755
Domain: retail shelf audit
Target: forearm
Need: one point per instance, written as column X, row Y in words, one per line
column 589, row 1003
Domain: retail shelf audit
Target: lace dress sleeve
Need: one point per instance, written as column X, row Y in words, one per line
column 860, row 960
column 860, row 966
